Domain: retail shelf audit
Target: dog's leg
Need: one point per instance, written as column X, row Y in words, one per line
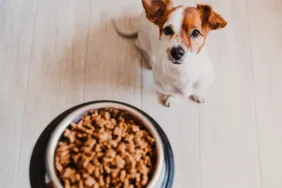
column 169, row 100
column 149, row 58
column 143, row 51
column 187, row 91
column 195, row 95
column 198, row 97
column 200, row 88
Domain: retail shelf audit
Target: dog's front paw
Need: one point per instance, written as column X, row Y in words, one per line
column 198, row 98
column 169, row 100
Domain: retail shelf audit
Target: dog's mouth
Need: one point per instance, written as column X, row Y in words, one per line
column 175, row 62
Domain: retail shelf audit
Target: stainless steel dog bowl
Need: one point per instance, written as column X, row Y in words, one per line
column 74, row 116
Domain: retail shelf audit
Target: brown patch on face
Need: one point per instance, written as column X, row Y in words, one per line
column 191, row 20
column 165, row 18
column 202, row 18
column 157, row 11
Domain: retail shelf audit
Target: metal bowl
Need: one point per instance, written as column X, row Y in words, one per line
column 77, row 114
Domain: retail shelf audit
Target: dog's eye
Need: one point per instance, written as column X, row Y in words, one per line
column 195, row 33
column 168, row 31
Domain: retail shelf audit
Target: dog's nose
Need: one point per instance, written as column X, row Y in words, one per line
column 177, row 52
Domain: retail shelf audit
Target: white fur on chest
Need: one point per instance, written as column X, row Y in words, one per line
column 183, row 79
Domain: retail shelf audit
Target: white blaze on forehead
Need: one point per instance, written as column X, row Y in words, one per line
column 175, row 19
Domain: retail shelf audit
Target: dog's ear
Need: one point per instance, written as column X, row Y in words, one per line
column 210, row 19
column 156, row 9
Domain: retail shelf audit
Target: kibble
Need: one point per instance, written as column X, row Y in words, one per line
column 106, row 148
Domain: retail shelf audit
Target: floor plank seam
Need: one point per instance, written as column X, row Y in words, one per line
column 25, row 97
column 199, row 147
column 254, row 92
column 142, row 68
column 86, row 53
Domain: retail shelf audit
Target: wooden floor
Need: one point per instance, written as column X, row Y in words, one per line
column 58, row 53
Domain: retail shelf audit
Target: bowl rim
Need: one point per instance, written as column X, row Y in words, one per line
column 58, row 131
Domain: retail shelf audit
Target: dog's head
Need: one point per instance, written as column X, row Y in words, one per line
column 183, row 30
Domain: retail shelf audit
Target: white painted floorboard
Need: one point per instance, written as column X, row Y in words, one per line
column 16, row 35
column 266, row 40
column 56, row 54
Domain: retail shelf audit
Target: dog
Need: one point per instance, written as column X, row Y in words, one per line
column 172, row 39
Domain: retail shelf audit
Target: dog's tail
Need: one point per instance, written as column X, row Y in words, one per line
column 131, row 33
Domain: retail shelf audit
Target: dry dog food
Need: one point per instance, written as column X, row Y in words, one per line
column 106, row 148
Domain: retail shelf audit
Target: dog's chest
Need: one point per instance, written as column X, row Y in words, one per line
column 169, row 79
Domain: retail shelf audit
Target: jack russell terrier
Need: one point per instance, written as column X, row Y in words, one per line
column 172, row 39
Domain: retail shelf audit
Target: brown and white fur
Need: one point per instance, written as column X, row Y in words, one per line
column 192, row 72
